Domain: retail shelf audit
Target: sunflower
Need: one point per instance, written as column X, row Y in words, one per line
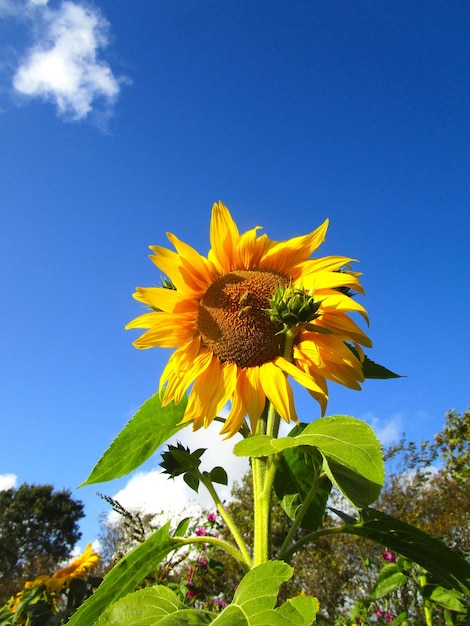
column 215, row 311
column 78, row 568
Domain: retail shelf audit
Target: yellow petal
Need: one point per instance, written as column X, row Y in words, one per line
column 278, row 390
column 170, row 264
column 224, row 237
column 328, row 263
column 340, row 324
column 169, row 330
column 210, row 392
column 168, row 300
column 285, row 255
column 299, row 376
column 196, row 269
column 330, row 280
column 183, row 367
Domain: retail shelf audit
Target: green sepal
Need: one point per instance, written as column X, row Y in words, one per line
column 150, row 427
column 177, row 460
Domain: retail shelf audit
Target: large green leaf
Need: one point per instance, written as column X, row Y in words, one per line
column 297, row 474
column 125, row 576
column 446, row 565
column 352, row 453
column 150, row 606
column 256, row 596
column 150, row 427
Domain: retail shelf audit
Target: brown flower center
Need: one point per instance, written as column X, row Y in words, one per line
column 231, row 319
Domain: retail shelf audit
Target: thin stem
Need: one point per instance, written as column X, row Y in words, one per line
column 219, row 543
column 298, row 519
column 261, row 529
column 427, row 607
column 227, row 518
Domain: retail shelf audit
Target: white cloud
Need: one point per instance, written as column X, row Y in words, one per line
column 7, row 481
column 153, row 492
column 387, row 430
column 63, row 66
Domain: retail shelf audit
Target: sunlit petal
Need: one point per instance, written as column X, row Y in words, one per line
column 278, row 390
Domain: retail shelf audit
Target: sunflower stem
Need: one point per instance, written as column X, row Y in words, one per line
column 264, row 471
column 227, row 519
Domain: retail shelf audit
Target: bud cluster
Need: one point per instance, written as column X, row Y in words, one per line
column 292, row 306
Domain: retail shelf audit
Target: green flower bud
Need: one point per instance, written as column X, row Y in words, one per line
column 292, row 306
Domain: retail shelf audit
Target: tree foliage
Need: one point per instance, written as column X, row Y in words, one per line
column 38, row 529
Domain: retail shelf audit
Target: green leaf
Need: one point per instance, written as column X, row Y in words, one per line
column 450, row 599
column 300, row 610
column 298, row 472
column 149, row 606
column 352, row 453
column 182, row 527
column 256, row 596
column 353, row 456
column 141, row 607
column 373, row 370
column 192, row 481
column 390, row 578
column 257, row 445
column 150, row 427
column 125, row 576
column 446, row 565
column 219, row 475
column 185, row 617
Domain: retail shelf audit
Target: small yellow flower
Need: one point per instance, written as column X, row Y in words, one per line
column 78, row 568
column 216, row 315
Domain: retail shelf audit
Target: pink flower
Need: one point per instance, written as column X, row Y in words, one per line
column 212, row 517
column 389, row 556
column 201, row 531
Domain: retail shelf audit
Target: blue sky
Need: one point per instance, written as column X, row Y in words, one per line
column 121, row 121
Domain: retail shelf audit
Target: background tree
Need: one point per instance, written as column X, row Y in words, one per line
column 38, row 529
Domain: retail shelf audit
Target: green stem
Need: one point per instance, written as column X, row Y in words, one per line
column 219, row 543
column 427, row 606
column 206, row 481
column 297, row 521
column 264, row 472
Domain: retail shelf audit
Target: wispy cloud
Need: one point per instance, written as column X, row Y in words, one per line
column 63, row 65
column 7, row 481
column 388, row 430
